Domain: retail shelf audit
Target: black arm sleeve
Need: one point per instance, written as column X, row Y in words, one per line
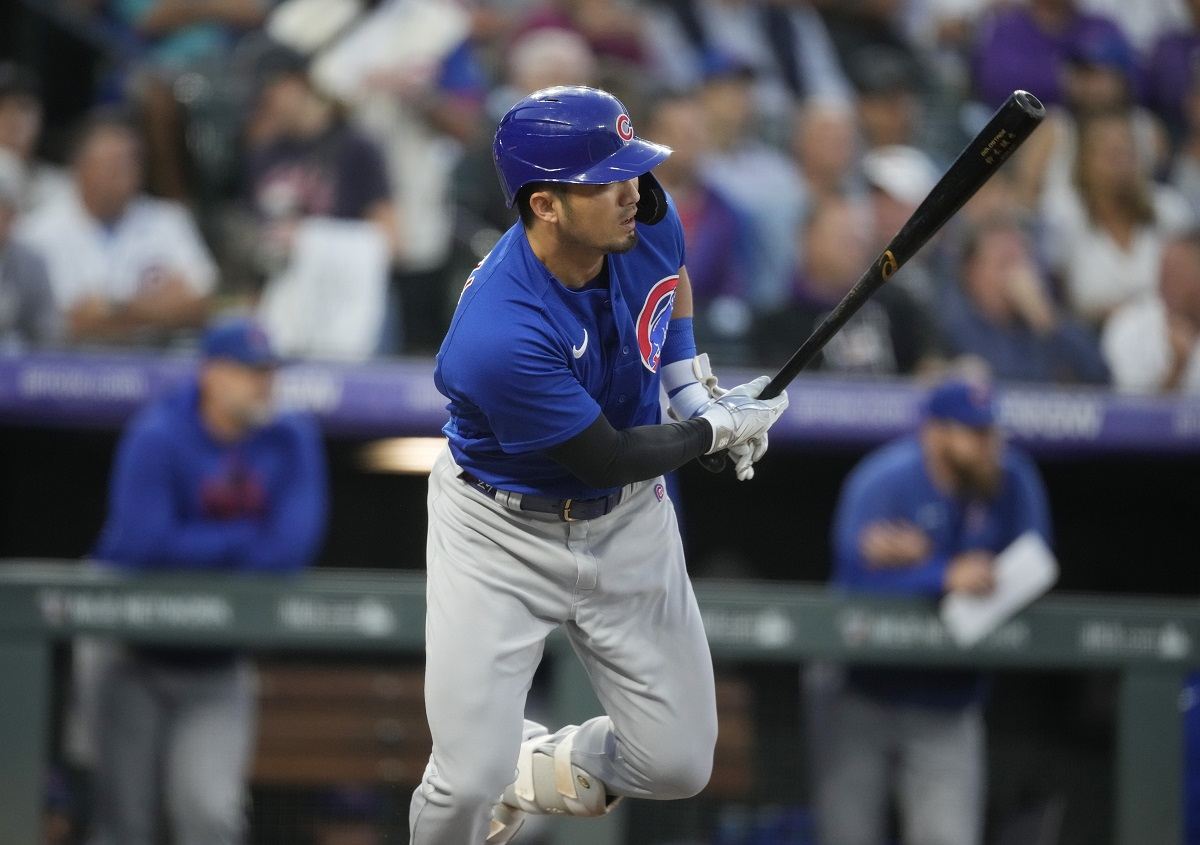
column 601, row 456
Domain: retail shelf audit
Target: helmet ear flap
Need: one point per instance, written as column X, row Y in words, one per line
column 652, row 206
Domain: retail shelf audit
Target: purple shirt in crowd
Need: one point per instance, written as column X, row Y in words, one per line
column 1174, row 63
column 1014, row 52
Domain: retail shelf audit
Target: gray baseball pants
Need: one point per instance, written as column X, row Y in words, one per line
column 931, row 759
column 182, row 736
column 499, row 581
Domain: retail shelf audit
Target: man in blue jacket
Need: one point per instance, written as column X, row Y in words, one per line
column 922, row 516
column 206, row 479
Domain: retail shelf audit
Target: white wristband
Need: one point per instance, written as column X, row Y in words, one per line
column 686, row 394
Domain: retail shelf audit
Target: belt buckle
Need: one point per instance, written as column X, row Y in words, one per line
column 565, row 512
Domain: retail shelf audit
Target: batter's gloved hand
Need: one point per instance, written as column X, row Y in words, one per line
column 691, row 385
column 739, row 417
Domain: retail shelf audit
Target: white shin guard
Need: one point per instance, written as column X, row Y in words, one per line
column 548, row 783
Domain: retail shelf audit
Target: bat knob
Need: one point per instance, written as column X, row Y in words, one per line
column 713, row 463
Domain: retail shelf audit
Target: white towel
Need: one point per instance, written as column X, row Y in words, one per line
column 329, row 302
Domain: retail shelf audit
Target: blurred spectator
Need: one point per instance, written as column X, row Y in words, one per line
column 889, row 105
column 764, row 185
column 945, row 23
column 28, row 316
column 409, row 71
column 1025, row 46
column 1107, row 233
column 890, row 334
column 710, row 225
column 1172, row 71
column 206, row 479
column 1142, row 22
column 1185, row 175
column 307, row 161
column 327, row 225
column 786, row 45
column 124, row 267
column 1003, row 314
column 899, row 178
column 1099, row 75
column 614, row 29
column 1153, row 342
column 20, row 128
column 869, row 28
column 922, row 516
column 824, row 144
column 175, row 37
column 539, row 59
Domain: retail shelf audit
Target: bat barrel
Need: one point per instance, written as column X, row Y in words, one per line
column 1012, row 123
column 1029, row 104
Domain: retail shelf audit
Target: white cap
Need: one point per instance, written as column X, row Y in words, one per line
column 905, row 173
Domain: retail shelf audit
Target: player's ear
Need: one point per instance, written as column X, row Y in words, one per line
column 545, row 205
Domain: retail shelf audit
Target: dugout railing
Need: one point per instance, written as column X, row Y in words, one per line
column 1151, row 644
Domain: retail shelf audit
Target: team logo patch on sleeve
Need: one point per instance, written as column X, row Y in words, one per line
column 653, row 319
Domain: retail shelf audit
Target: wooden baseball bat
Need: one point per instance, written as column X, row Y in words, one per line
column 1008, row 128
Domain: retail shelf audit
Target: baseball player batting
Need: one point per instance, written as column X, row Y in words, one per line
column 549, row 510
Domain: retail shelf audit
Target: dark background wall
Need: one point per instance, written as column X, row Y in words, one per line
column 1122, row 523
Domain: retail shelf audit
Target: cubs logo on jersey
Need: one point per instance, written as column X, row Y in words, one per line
column 653, row 319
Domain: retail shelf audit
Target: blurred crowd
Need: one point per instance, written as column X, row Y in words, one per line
column 326, row 164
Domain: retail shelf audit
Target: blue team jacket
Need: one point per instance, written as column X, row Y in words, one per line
column 892, row 484
column 180, row 500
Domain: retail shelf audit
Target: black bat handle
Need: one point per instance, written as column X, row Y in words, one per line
column 1012, row 123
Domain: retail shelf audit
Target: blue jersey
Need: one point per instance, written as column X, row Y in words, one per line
column 529, row 363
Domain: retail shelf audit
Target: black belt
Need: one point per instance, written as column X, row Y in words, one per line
column 568, row 510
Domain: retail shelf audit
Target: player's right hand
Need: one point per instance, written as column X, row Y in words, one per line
column 970, row 572
column 739, row 416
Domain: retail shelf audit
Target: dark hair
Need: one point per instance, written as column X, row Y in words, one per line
column 18, row 81
column 523, row 195
column 1139, row 206
column 103, row 119
column 975, row 234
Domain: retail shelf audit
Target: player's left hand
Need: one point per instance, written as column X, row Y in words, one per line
column 700, row 389
column 744, row 455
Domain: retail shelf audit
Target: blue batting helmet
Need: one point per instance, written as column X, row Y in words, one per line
column 580, row 136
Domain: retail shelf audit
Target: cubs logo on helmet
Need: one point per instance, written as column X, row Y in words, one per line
column 653, row 319
column 624, row 127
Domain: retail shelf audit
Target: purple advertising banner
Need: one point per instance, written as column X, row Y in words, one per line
column 397, row 397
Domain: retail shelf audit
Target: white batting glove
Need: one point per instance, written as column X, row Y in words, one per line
column 746, row 455
column 739, row 417
column 690, row 385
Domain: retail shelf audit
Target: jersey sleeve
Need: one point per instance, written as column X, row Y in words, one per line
column 529, row 395
column 869, row 497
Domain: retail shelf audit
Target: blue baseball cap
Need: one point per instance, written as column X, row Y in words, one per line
column 720, row 64
column 969, row 403
column 239, row 339
column 1103, row 47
